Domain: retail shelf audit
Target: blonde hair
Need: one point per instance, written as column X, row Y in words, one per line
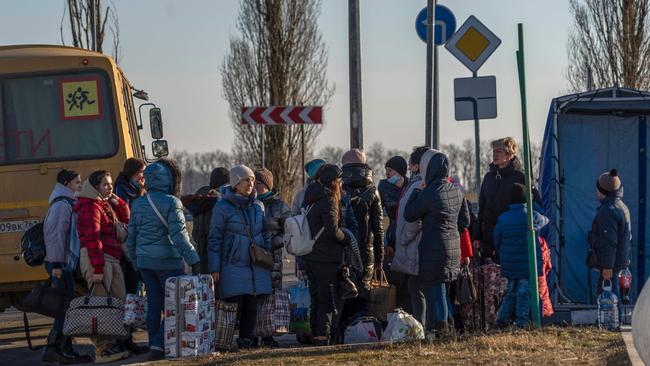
column 508, row 144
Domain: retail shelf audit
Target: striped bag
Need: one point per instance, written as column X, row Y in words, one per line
column 273, row 315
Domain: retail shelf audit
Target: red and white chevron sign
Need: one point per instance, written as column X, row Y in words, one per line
column 281, row 115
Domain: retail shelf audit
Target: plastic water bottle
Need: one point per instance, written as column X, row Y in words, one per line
column 607, row 308
column 624, row 284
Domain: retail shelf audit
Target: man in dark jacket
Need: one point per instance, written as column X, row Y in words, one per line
column 505, row 170
column 200, row 206
column 438, row 205
column 357, row 183
column 611, row 231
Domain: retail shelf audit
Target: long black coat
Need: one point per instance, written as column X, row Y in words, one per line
column 439, row 207
column 494, row 200
column 324, row 213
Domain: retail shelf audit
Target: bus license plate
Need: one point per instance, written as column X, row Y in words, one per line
column 17, row 226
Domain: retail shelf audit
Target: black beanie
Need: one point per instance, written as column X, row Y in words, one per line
column 398, row 164
column 517, row 193
column 219, row 177
column 328, row 174
column 65, row 176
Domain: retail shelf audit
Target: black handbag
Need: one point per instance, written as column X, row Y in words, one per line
column 465, row 290
column 46, row 300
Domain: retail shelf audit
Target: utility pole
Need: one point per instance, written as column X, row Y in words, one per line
column 354, row 44
column 93, row 25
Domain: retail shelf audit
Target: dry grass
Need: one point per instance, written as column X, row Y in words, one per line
column 548, row 346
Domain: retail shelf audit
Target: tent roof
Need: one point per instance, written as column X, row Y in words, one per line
column 609, row 100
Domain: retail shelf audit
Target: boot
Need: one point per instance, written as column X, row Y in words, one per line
column 129, row 345
column 52, row 352
column 68, row 350
column 441, row 330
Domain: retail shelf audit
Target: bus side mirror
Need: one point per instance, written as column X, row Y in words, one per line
column 155, row 121
column 160, row 148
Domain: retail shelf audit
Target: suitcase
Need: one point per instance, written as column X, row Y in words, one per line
column 189, row 316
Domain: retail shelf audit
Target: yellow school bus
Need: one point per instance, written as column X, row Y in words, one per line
column 60, row 107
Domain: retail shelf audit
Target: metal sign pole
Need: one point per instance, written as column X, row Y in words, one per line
column 435, row 126
column 263, row 157
column 429, row 110
column 532, row 242
column 302, row 144
column 477, row 149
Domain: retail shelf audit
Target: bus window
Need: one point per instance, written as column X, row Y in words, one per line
column 56, row 117
column 130, row 115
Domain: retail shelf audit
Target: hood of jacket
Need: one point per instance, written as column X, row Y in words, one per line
column 434, row 166
column 514, row 166
column 314, row 192
column 612, row 196
column 61, row 191
column 236, row 199
column 158, row 178
column 357, row 175
column 89, row 192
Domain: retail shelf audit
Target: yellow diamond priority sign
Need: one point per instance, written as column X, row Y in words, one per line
column 473, row 43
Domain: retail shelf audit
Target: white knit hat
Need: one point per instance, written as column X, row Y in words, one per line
column 239, row 173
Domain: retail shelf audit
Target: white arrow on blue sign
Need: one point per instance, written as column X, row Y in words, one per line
column 445, row 25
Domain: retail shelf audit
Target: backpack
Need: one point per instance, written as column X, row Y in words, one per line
column 32, row 244
column 297, row 234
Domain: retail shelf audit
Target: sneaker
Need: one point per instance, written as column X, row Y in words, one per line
column 246, row 343
column 111, row 354
column 156, row 355
column 70, row 352
column 269, row 342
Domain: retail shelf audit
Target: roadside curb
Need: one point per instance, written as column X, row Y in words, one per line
column 626, row 333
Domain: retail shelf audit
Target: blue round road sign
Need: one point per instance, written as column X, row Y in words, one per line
column 445, row 25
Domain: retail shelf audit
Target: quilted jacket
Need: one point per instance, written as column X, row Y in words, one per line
column 96, row 225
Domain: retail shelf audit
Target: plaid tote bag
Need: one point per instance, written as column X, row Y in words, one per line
column 225, row 322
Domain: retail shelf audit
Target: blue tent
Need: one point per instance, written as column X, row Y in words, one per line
column 587, row 134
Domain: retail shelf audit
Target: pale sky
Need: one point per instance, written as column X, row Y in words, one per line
column 174, row 49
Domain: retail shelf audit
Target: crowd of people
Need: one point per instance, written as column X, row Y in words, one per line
column 135, row 231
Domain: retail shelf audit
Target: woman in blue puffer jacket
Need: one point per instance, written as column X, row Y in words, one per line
column 158, row 244
column 238, row 223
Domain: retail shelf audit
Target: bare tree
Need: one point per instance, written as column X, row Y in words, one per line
column 77, row 13
column 331, row 154
column 609, row 45
column 278, row 58
column 196, row 167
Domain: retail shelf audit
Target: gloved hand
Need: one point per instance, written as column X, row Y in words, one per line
column 196, row 269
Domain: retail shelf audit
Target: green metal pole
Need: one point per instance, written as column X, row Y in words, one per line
column 532, row 243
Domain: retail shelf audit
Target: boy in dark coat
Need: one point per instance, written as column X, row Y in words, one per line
column 510, row 241
column 611, row 231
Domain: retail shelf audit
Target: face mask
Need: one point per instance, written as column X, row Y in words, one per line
column 393, row 180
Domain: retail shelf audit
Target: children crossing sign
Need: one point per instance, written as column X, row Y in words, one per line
column 473, row 43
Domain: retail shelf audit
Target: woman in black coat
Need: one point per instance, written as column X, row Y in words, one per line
column 438, row 205
column 505, row 171
column 323, row 199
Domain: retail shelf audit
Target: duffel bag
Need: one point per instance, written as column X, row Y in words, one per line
column 91, row 316
column 46, row 300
